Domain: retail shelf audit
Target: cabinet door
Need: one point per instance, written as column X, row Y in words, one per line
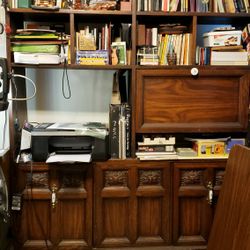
column 33, row 225
column 57, row 208
column 73, row 207
column 174, row 100
column 132, row 203
column 193, row 206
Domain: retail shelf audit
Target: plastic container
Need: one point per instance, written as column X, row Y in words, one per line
column 222, row 38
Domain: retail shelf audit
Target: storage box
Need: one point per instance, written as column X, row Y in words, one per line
column 24, row 3
column 92, row 57
column 209, row 148
column 222, row 38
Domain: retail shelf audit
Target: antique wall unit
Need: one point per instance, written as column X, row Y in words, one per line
column 117, row 203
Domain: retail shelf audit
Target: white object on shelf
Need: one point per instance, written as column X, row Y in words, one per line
column 222, row 38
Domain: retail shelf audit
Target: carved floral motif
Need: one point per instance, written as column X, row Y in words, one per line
column 191, row 177
column 72, row 180
column 149, row 177
column 38, row 180
column 219, row 176
column 116, row 178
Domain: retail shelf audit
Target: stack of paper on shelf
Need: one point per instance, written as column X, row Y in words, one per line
column 37, row 46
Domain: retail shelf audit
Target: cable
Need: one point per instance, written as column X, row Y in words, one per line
column 65, row 73
column 34, row 208
column 25, row 98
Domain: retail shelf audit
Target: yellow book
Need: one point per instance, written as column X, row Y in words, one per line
column 163, row 54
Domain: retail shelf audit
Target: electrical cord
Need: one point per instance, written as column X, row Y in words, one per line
column 65, row 73
column 34, row 208
column 25, row 98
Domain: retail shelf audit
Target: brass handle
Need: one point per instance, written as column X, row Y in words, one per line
column 210, row 193
column 53, row 196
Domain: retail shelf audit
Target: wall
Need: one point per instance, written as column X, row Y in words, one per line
column 91, row 93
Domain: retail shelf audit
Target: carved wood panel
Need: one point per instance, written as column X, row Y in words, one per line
column 153, row 204
column 150, row 177
column 116, row 178
column 37, row 180
column 192, row 214
column 132, row 204
column 191, row 177
column 67, row 224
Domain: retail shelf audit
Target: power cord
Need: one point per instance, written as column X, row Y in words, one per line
column 65, row 73
column 12, row 77
column 45, row 236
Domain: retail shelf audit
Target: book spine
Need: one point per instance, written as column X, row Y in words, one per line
column 128, row 129
column 114, row 116
column 122, row 138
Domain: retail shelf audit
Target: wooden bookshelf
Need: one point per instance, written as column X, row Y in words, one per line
column 121, row 203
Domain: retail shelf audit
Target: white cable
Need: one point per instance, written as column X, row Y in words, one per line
column 26, row 98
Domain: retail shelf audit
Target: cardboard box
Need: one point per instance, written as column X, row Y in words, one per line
column 222, row 38
column 209, row 148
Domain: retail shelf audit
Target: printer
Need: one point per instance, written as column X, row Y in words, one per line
column 69, row 138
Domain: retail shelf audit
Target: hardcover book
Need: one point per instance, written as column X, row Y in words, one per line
column 114, row 116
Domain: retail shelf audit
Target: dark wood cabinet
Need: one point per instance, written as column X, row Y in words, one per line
column 195, row 188
column 173, row 100
column 120, row 203
column 57, row 207
column 132, row 203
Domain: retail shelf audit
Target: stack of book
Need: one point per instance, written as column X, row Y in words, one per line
column 148, row 56
column 229, row 55
column 156, row 43
column 120, row 118
column 119, row 127
column 158, row 148
column 38, row 46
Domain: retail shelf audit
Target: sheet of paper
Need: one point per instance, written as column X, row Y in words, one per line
column 25, row 140
column 68, row 158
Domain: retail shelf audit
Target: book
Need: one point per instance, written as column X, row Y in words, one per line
column 118, row 53
column 120, row 130
column 155, row 153
column 127, row 114
column 92, row 57
column 189, row 152
column 122, row 137
column 36, row 48
column 141, row 35
column 156, row 148
column 228, row 48
column 114, row 116
column 229, row 58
